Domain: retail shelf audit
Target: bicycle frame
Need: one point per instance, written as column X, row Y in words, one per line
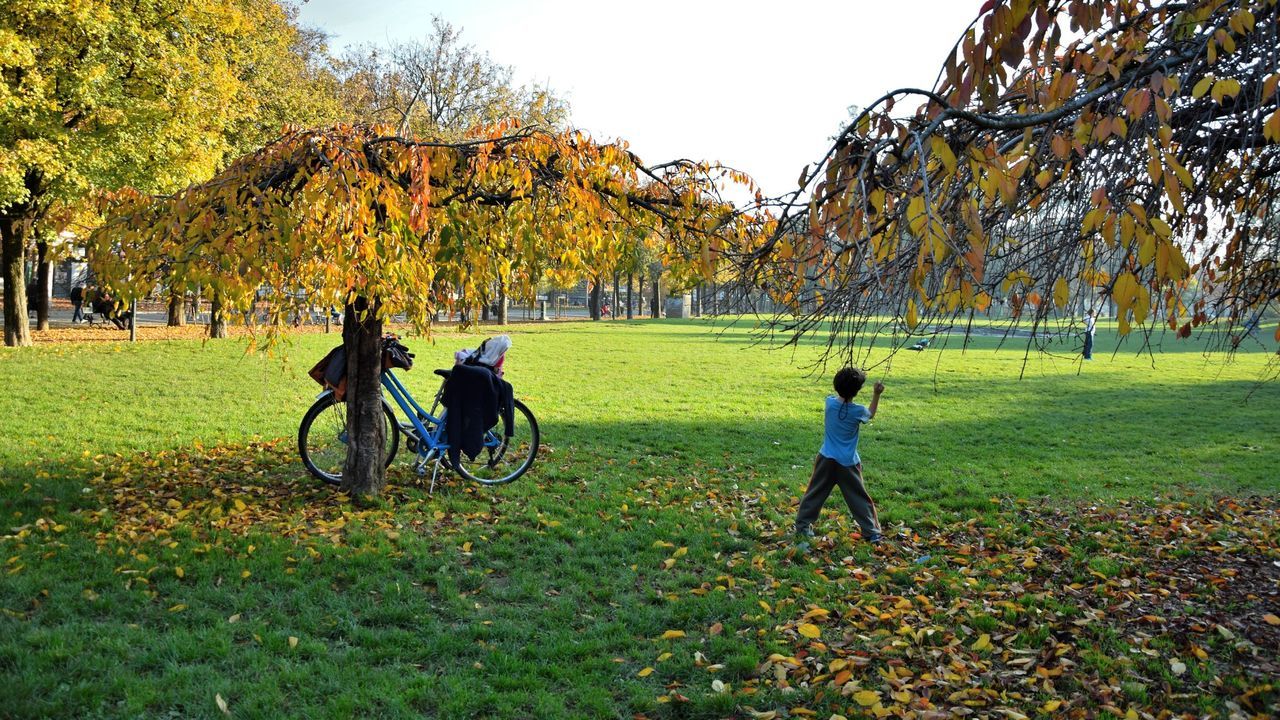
column 428, row 441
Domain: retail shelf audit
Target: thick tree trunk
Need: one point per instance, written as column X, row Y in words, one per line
column 631, row 298
column 177, row 314
column 503, row 304
column 13, row 256
column 365, row 470
column 594, row 299
column 42, row 286
column 640, row 296
column 217, row 319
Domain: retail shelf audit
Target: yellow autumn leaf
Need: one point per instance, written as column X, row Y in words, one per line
column 1271, row 619
column 672, row 634
column 943, row 151
column 1061, row 293
column 866, row 698
column 982, row 643
column 293, row 641
column 810, row 631
column 179, row 572
column 646, row 672
column 222, row 704
column 178, row 608
column 1051, row 705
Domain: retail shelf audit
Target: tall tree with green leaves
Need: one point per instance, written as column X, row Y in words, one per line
column 147, row 93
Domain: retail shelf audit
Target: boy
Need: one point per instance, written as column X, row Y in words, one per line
column 838, row 462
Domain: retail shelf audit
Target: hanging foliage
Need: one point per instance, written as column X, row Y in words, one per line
column 383, row 226
column 1073, row 153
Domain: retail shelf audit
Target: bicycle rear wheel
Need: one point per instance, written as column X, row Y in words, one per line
column 322, row 438
column 508, row 453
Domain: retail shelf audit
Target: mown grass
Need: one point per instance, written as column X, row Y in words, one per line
column 673, row 458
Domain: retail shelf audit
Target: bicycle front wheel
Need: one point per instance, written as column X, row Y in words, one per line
column 322, row 438
column 509, row 450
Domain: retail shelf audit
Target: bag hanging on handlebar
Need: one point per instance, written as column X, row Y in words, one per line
column 331, row 371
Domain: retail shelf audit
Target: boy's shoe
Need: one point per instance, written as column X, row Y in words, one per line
column 804, row 532
column 876, row 538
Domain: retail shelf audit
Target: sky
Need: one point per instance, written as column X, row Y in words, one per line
column 758, row 86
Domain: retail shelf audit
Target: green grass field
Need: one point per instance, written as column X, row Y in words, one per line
column 1099, row 537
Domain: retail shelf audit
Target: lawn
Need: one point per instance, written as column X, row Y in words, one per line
column 1089, row 538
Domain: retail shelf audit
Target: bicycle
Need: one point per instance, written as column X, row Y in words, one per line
column 508, row 452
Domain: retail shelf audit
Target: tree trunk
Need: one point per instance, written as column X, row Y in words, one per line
column 593, row 300
column 640, row 297
column 365, row 470
column 13, row 256
column 630, row 295
column 217, row 322
column 613, row 308
column 503, row 304
column 657, row 296
column 177, row 314
column 42, row 286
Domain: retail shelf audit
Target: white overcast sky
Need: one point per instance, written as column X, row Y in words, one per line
column 760, row 86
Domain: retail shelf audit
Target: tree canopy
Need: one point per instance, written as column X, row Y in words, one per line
column 1071, row 153
column 354, row 210
column 156, row 94
column 438, row 86
column 357, row 217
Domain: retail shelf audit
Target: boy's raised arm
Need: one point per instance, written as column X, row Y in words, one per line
column 875, row 399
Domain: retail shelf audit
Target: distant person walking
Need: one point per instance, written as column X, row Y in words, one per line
column 77, row 304
column 838, row 462
column 1088, row 335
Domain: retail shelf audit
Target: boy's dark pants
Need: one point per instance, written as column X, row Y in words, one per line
column 827, row 474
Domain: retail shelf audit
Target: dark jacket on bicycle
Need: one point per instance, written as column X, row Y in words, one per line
column 476, row 397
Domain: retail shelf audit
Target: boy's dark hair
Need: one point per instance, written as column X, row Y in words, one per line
column 848, row 382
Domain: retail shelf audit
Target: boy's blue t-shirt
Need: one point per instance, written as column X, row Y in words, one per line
column 840, row 436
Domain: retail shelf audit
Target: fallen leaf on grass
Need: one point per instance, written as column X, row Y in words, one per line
column 866, row 698
column 810, row 630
